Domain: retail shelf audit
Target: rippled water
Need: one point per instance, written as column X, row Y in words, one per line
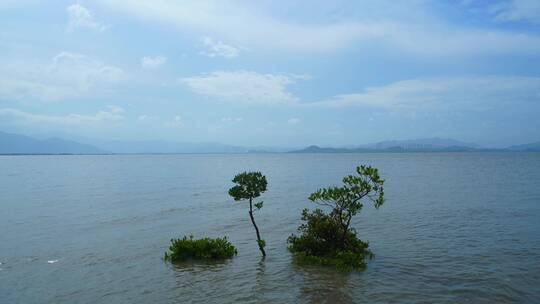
column 459, row 228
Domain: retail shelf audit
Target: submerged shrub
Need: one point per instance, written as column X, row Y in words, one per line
column 328, row 238
column 199, row 249
column 320, row 242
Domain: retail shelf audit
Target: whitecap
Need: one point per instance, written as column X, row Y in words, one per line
column 52, row 261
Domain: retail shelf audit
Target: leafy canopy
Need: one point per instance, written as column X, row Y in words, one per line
column 346, row 201
column 328, row 239
column 249, row 185
column 355, row 187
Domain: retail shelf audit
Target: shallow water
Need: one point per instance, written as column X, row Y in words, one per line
column 456, row 228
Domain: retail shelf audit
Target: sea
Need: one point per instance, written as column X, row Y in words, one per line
column 455, row 228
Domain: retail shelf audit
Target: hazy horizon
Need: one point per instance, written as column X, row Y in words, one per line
column 272, row 74
column 19, row 143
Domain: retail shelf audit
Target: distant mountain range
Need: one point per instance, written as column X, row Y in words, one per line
column 532, row 147
column 393, row 149
column 20, row 144
column 424, row 143
column 417, row 145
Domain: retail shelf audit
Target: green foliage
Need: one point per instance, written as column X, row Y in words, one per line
column 249, row 185
column 328, row 239
column 199, row 249
column 346, row 201
column 320, row 243
column 348, row 197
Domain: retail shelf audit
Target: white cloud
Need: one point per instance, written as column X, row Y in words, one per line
column 67, row 75
column 244, row 87
column 80, row 17
column 517, row 10
column 218, row 49
column 115, row 109
column 176, row 122
column 147, row 118
column 151, row 63
column 441, row 94
column 83, row 70
column 390, row 25
column 294, row 121
column 111, row 114
column 232, row 119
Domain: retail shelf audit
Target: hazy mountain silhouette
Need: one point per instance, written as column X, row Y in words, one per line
column 422, row 143
column 21, row 144
column 532, row 147
column 411, row 145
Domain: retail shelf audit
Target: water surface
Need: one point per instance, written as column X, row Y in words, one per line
column 456, row 228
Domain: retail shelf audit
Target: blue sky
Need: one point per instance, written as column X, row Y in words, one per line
column 286, row 73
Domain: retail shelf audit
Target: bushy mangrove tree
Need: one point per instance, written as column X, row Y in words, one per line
column 328, row 238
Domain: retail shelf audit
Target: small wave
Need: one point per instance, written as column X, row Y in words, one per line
column 52, row 261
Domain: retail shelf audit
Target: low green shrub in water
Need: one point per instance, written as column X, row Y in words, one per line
column 320, row 243
column 188, row 248
column 328, row 238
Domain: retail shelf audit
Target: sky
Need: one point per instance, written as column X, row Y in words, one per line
column 276, row 73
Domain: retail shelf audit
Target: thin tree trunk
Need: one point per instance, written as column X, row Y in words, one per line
column 344, row 227
column 261, row 248
column 345, row 231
